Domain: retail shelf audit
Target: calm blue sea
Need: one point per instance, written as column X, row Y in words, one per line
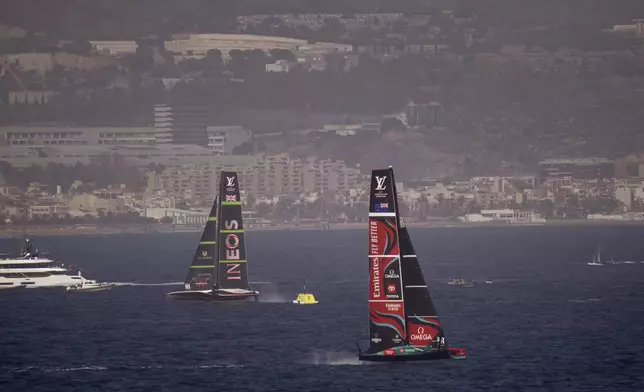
column 548, row 322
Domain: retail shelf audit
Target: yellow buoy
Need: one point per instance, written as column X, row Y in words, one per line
column 305, row 299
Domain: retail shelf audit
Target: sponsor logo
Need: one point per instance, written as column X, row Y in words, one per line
column 380, row 183
column 389, row 351
column 420, row 335
column 396, row 339
column 391, row 274
column 230, row 184
column 392, row 291
column 233, row 272
column 393, row 307
column 186, row 286
column 373, row 237
column 381, row 207
column 204, row 255
column 375, row 267
column 200, row 282
column 376, row 338
column 232, row 241
column 231, row 197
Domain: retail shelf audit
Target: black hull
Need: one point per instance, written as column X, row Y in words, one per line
column 212, row 296
column 404, row 358
column 191, row 295
column 233, row 297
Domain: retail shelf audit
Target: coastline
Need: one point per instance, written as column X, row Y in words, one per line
column 70, row 230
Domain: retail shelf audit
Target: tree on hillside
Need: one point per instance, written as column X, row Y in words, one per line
column 392, row 124
column 281, row 54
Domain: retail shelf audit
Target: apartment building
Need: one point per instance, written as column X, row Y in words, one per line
column 224, row 139
column 181, row 124
column 274, row 175
column 189, row 181
column 45, row 211
column 323, row 175
column 168, row 155
column 76, row 136
column 259, row 175
column 578, row 168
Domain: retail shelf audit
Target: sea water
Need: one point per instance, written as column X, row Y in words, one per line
column 548, row 321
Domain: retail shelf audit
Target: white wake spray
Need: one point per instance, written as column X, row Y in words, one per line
column 333, row 358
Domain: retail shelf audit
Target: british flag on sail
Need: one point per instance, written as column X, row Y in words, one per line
column 381, row 207
column 231, row 197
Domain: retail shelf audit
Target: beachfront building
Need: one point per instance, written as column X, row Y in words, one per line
column 504, row 216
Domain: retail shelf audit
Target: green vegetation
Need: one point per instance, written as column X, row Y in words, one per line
column 109, row 218
column 106, row 171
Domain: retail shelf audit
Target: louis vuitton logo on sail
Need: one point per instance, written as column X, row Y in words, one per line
column 230, row 181
column 380, row 183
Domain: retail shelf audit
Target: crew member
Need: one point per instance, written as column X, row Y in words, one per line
column 27, row 249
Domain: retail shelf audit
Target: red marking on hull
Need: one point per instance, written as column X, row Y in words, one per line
column 455, row 352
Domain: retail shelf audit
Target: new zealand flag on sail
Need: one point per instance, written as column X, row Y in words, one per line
column 381, row 207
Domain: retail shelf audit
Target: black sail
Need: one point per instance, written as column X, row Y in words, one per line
column 201, row 275
column 233, row 266
column 423, row 325
column 387, row 327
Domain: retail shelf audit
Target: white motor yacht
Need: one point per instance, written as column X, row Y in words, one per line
column 35, row 272
column 30, row 271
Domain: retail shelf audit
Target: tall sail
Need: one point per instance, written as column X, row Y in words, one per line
column 201, row 275
column 386, row 305
column 422, row 321
column 233, row 271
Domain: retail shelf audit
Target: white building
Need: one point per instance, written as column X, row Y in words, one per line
column 506, row 216
column 179, row 217
column 198, row 45
column 624, row 195
column 115, row 48
column 278, row 66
